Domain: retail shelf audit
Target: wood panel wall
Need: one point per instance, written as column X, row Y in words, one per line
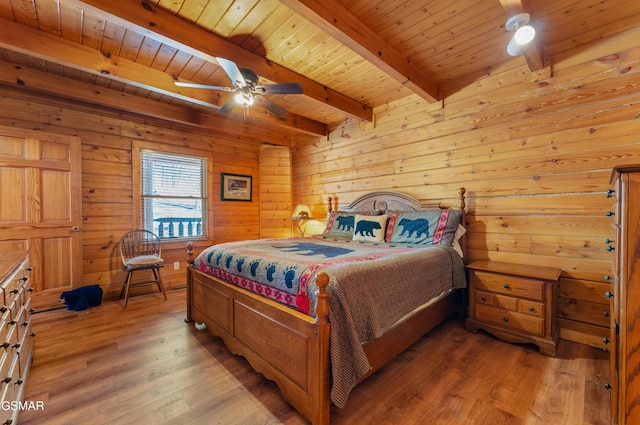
column 275, row 191
column 535, row 153
column 107, row 193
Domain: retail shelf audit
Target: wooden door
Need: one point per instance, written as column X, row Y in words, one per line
column 41, row 208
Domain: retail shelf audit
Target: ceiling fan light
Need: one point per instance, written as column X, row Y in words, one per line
column 524, row 34
column 244, row 99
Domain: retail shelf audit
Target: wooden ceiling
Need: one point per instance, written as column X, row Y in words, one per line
column 350, row 56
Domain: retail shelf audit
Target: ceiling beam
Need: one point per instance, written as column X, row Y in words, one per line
column 30, row 41
column 334, row 18
column 534, row 53
column 40, row 82
column 151, row 21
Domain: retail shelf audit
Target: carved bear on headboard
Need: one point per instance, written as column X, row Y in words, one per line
column 80, row 298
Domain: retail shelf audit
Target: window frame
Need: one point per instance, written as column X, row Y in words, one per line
column 136, row 157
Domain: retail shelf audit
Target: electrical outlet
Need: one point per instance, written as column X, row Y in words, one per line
column 176, row 265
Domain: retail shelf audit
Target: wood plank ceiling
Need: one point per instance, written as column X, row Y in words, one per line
column 349, row 56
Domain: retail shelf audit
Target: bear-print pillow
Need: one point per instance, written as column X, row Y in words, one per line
column 370, row 228
column 429, row 227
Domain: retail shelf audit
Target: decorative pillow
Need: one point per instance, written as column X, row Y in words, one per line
column 429, row 227
column 340, row 224
column 369, row 228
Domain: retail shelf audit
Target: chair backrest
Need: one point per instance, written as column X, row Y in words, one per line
column 139, row 242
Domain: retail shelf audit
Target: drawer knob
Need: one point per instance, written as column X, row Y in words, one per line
column 610, row 248
column 24, row 278
column 610, row 213
column 608, row 294
column 608, row 386
column 531, row 309
column 605, row 349
column 610, row 193
column 29, row 268
column 607, row 277
column 3, row 309
column 484, row 299
column 14, row 291
column 5, row 344
column 606, row 340
column 506, row 319
column 606, row 314
column 505, row 286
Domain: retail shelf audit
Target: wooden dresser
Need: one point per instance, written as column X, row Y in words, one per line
column 16, row 336
column 624, row 340
column 514, row 302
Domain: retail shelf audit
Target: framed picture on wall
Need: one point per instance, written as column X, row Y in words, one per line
column 236, row 187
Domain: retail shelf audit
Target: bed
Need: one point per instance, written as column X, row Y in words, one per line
column 289, row 305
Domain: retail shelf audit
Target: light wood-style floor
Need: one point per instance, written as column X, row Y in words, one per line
column 146, row 365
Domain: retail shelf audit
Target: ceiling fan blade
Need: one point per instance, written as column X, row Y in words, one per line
column 202, row 86
column 286, row 88
column 272, row 107
column 227, row 107
column 232, row 71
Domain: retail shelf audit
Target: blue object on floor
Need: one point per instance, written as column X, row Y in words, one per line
column 80, row 298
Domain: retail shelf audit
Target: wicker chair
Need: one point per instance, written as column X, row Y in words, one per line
column 141, row 250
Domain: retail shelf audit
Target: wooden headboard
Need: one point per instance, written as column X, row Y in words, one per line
column 384, row 200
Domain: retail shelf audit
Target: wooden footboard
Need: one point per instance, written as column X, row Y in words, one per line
column 287, row 347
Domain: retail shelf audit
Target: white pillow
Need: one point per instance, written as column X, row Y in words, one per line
column 456, row 239
column 370, row 228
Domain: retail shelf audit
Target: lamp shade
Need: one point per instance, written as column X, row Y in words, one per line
column 301, row 211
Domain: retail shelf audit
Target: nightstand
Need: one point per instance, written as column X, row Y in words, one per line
column 514, row 302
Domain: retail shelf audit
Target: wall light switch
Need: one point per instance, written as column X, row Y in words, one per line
column 176, row 265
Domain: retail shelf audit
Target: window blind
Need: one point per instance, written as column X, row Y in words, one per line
column 173, row 194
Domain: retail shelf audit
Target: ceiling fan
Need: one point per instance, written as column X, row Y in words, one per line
column 246, row 89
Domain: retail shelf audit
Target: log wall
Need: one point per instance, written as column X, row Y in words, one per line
column 534, row 152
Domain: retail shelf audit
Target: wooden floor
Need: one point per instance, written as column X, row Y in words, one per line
column 146, row 365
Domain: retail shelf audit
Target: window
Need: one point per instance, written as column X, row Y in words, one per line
column 173, row 194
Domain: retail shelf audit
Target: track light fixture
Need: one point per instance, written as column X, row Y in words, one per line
column 524, row 33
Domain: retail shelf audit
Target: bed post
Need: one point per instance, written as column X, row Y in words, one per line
column 322, row 409
column 189, row 279
column 461, row 200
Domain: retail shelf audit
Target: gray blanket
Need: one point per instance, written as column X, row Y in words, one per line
column 372, row 296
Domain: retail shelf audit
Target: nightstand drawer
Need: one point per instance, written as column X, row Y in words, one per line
column 510, row 319
column 510, row 303
column 509, row 285
column 531, row 307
